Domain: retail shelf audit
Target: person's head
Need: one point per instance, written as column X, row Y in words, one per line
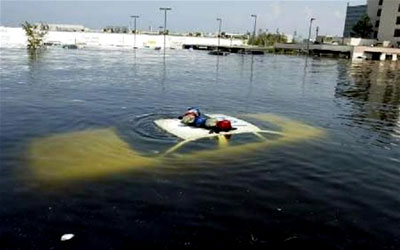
column 193, row 110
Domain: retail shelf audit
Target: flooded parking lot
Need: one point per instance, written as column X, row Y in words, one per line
column 331, row 183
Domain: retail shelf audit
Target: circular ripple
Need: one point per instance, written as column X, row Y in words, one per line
column 144, row 126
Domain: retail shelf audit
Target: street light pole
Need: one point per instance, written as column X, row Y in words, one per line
column 219, row 31
column 134, row 35
column 309, row 36
column 255, row 26
column 165, row 22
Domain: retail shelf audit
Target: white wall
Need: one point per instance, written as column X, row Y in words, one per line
column 15, row 37
column 12, row 37
column 359, row 41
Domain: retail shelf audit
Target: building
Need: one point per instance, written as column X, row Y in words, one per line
column 116, row 29
column 67, row 27
column 353, row 15
column 385, row 17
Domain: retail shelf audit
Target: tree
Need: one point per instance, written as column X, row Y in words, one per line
column 267, row 39
column 35, row 34
column 363, row 28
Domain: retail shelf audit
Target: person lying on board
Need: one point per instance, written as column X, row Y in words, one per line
column 193, row 117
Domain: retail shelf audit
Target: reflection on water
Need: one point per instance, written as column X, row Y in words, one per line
column 35, row 58
column 373, row 89
column 35, row 55
column 163, row 74
column 217, row 70
column 250, row 87
column 304, row 74
column 134, row 61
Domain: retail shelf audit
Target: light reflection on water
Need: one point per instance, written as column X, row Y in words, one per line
column 332, row 192
column 373, row 95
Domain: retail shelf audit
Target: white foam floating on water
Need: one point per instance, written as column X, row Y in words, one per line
column 66, row 237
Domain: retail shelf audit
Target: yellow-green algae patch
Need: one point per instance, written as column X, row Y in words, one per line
column 84, row 154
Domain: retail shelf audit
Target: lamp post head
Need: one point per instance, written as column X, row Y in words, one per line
column 166, row 8
column 219, row 19
column 254, row 15
column 135, row 16
column 312, row 19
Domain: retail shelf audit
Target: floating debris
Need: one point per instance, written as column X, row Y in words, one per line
column 67, row 237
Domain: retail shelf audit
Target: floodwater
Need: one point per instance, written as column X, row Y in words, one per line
column 80, row 153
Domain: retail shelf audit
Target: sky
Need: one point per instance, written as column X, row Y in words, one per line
column 189, row 15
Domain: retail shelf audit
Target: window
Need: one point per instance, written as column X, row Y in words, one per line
column 397, row 33
column 399, row 8
column 379, row 12
column 380, row 2
column 377, row 24
column 398, row 20
column 375, row 34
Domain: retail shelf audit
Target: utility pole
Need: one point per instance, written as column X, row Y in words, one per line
column 134, row 34
column 309, row 36
column 255, row 26
column 219, row 30
column 165, row 23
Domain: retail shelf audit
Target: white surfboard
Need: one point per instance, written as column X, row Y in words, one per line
column 185, row 132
